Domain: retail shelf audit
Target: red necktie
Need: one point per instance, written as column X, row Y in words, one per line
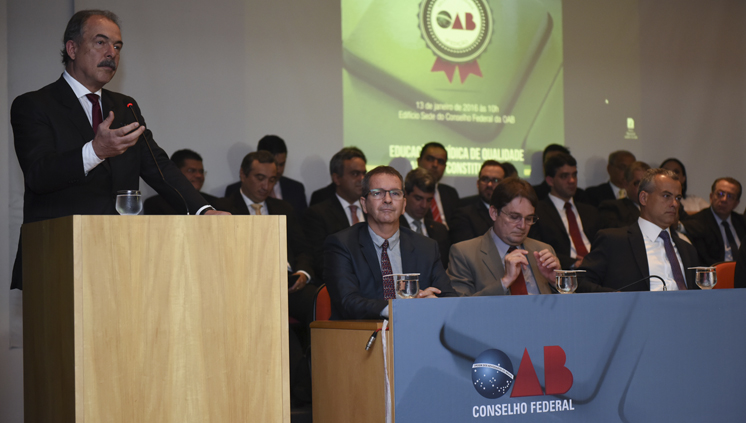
column 389, row 292
column 436, row 212
column 353, row 213
column 96, row 117
column 518, row 287
column 577, row 239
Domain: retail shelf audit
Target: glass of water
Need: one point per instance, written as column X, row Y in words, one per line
column 129, row 202
column 706, row 277
column 407, row 285
column 567, row 280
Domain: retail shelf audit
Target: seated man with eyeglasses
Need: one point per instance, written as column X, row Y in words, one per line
column 358, row 259
column 504, row 261
column 718, row 231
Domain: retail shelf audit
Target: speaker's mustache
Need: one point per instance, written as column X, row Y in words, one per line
column 108, row 63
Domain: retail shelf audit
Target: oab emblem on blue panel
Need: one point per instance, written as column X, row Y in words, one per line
column 492, row 374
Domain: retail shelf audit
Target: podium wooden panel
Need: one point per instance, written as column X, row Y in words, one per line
column 348, row 381
column 156, row 319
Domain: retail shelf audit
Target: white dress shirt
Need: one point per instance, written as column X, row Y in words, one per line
column 658, row 263
column 348, row 211
column 410, row 222
column 90, row 159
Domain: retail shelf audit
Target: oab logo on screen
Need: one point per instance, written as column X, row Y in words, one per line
column 492, row 376
column 456, row 30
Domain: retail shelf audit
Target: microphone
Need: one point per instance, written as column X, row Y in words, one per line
column 644, row 279
column 186, row 206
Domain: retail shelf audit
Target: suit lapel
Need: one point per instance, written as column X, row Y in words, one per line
column 555, row 216
column 369, row 253
column 406, row 247
column 239, row 204
column 713, row 223
column 491, row 257
column 541, row 281
column 66, row 96
column 340, row 213
column 686, row 260
column 637, row 245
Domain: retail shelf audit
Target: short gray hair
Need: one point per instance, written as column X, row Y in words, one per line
column 648, row 181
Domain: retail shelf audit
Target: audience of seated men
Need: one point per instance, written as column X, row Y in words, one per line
column 718, row 231
column 542, row 190
column 342, row 209
column 419, row 189
column 564, row 224
column 190, row 164
column 627, row 258
column 258, row 175
column 433, row 158
column 493, row 263
column 358, row 260
column 286, row 189
column 624, row 211
column 613, row 189
column 473, row 220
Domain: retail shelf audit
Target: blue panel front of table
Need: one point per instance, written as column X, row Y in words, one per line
column 613, row 357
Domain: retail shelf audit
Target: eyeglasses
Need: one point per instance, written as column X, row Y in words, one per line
column 380, row 194
column 487, row 180
column 729, row 196
column 516, row 218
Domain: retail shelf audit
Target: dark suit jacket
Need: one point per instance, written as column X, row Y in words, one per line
column 468, row 201
column 436, row 231
column 618, row 258
column 599, row 193
column 470, row 222
column 322, row 194
column 50, row 129
column 618, row 213
column 353, row 274
column 703, row 230
column 292, row 191
column 157, row 205
column 739, row 277
column 450, row 201
column 321, row 220
column 551, row 230
column 299, row 255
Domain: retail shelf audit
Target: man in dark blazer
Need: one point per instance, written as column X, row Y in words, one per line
column 613, row 189
column 714, row 229
column 286, row 189
column 258, row 175
column 622, row 256
column 419, row 189
column 473, row 220
column 566, row 225
column 624, row 211
column 79, row 144
column 542, row 190
column 356, row 259
column 433, row 158
column 342, row 209
column 190, row 164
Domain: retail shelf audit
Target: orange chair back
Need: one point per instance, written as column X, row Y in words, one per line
column 725, row 271
column 322, row 305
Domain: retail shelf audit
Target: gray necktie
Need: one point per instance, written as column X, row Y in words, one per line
column 673, row 261
column 417, row 226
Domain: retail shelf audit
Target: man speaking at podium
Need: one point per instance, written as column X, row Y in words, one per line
column 357, row 258
column 626, row 258
column 79, row 144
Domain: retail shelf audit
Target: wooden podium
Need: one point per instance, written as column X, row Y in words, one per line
column 156, row 319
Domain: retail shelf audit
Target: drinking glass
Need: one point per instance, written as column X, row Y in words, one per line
column 129, row 202
column 407, row 285
column 567, row 280
column 706, row 277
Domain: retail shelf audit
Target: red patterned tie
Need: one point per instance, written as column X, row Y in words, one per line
column 96, row 118
column 436, row 212
column 577, row 239
column 353, row 213
column 518, row 287
column 389, row 292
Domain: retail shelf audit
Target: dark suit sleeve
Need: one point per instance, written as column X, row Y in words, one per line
column 344, row 286
column 45, row 169
column 460, row 227
column 596, row 263
column 174, row 179
column 316, row 233
column 439, row 277
column 739, row 280
column 301, row 250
